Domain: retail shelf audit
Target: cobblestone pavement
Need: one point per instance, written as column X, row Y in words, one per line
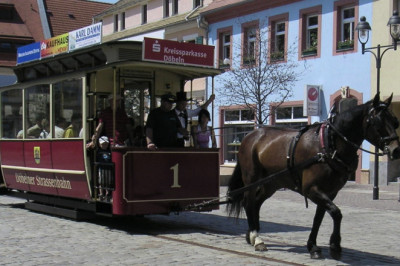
column 370, row 235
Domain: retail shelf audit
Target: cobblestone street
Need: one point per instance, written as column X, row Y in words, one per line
column 370, row 231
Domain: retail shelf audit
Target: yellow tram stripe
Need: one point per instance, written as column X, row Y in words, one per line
column 46, row 170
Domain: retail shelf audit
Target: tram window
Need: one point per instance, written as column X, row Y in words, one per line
column 38, row 115
column 11, row 104
column 67, row 99
column 137, row 101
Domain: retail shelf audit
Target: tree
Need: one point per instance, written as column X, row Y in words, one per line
column 264, row 78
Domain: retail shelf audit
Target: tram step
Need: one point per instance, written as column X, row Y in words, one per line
column 68, row 213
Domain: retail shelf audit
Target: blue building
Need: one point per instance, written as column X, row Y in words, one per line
column 319, row 35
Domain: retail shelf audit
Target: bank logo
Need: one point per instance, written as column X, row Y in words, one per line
column 156, row 47
column 36, row 154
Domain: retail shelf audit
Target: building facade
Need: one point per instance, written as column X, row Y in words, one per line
column 319, row 35
column 389, row 171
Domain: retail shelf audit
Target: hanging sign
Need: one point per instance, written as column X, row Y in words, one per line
column 312, row 102
column 181, row 53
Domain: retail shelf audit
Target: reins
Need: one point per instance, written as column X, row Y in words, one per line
column 350, row 142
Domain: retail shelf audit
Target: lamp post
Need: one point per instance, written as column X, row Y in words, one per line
column 363, row 29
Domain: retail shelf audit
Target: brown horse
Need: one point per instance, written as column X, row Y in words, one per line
column 318, row 162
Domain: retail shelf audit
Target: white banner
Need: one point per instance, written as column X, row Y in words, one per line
column 86, row 36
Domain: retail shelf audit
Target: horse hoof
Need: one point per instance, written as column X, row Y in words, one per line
column 335, row 252
column 248, row 237
column 316, row 255
column 261, row 247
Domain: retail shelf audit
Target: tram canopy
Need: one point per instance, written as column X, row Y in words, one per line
column 103, row 56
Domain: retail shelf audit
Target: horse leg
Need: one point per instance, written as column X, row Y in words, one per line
column 312, row 247
column 324, row 203
column 252, row 208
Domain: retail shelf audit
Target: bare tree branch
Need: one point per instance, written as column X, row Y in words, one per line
column 261, row 81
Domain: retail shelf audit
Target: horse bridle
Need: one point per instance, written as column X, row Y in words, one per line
column 375, row 121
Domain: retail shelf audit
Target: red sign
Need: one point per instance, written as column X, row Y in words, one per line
column 312, row 94
column 173, row 52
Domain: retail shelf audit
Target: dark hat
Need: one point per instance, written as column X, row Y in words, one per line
column 181, row 96
column 168, row 97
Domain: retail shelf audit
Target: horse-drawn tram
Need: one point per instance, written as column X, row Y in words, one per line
column 54, row 170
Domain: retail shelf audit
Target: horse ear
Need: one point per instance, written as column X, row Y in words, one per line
column 376, row 100
column 388, row 101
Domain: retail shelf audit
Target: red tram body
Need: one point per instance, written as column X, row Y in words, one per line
column 59, row 173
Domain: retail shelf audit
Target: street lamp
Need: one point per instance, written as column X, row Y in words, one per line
column 363, row 29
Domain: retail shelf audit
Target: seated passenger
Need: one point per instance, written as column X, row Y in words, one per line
column 59, row 128
column 72, row 130
column 35, row 130
column 202, row 133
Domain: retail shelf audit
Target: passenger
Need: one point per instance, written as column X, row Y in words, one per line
column 59, row 127
column 183, row 114
column 139, row 138
column 162, row 125
column 104, row 173
column 72, row 131
column 202, row 133
column 46, row 129
column 35, row 130
column 123, row 130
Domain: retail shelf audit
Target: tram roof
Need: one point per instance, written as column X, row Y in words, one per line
column 105, row 55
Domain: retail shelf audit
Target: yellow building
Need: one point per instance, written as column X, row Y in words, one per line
column 389, row 75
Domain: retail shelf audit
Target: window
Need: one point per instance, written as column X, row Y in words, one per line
column 37, row 112
column 166, row 8
column 175, row 7
column 310, row 32
column 224, row 47
column 67, row 99
column 277, row 34
column 249, row 43
column 345, row 18
column 11, row 109
column 144, row 14
column 290, row 116
column 7, row 13
column 196, row 3
column 236, row 124
column 123, row 21
column 116, row 23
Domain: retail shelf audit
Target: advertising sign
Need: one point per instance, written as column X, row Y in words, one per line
column 28, row 53
column 312, row 107
column 55, row 45
column 173, row 52
column 85, row 36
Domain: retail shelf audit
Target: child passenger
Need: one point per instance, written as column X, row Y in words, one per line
column 202, row 133
column 104, row 172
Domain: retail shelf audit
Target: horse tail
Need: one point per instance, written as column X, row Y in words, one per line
column 235, row 201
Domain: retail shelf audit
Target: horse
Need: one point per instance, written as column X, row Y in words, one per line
column 315, row 162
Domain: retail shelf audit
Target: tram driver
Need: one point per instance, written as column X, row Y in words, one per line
column 162, row 125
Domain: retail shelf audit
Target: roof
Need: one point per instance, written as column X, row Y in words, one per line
column 25, row 25
column 218, row 5
column 121, row 4
column 68, row 15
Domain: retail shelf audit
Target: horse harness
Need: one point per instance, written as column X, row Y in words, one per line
column 328, row 154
